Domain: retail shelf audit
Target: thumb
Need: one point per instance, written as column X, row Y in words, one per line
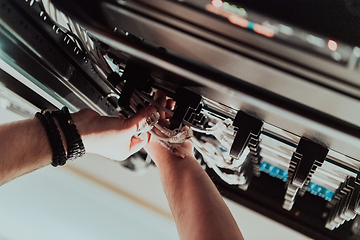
column 138, row 143
column 135, row 122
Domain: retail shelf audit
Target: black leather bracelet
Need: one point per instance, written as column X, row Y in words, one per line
column 53, row 134
column 75, row 146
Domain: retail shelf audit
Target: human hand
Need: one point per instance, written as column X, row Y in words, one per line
column 112, row 137
column 158, row 150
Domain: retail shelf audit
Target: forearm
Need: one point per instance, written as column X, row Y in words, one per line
column 198, row 208
column 24, row 148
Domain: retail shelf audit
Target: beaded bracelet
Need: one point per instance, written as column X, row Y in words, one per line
column 53, row 134
column 75, row 146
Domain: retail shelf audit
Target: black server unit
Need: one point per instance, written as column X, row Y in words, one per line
column 270, row 88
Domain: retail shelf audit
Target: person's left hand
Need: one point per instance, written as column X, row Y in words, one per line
column 157, row 150
column 112, row 137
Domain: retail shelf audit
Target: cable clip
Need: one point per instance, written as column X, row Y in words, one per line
column 147, row 125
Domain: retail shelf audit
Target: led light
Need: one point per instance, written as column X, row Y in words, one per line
column 357, row 52
column 332, row 45
column 218, row 11
column 315, row 41
column 242, row 22
column 273, row 27
column 217, row 3
column 268, row 32
column 286, row 30
column 242, row 12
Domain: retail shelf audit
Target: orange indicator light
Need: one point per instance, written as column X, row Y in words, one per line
column 242, row 22
column 217, row 3
column 332, row 45
column 260, row 29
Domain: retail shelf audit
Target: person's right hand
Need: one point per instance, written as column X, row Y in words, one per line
column 112, row 137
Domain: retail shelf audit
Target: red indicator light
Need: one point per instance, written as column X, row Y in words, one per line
column 217, row 3
column 332, row 45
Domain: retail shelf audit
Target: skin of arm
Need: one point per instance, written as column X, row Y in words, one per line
column 24, row 148
column 24, row 145
column 197, row 206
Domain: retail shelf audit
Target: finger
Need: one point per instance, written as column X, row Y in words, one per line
column 138, row 143
column 160, row 98
column 121, row 116
column 165, row 123
column 170, row 104
column 134, row 122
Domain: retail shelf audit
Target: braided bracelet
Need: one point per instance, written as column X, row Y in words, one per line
column 53, row 134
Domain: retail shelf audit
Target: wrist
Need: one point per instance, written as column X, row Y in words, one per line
column 165, row 158
column 62, row 135
column 85, row 121
column 41, row 144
